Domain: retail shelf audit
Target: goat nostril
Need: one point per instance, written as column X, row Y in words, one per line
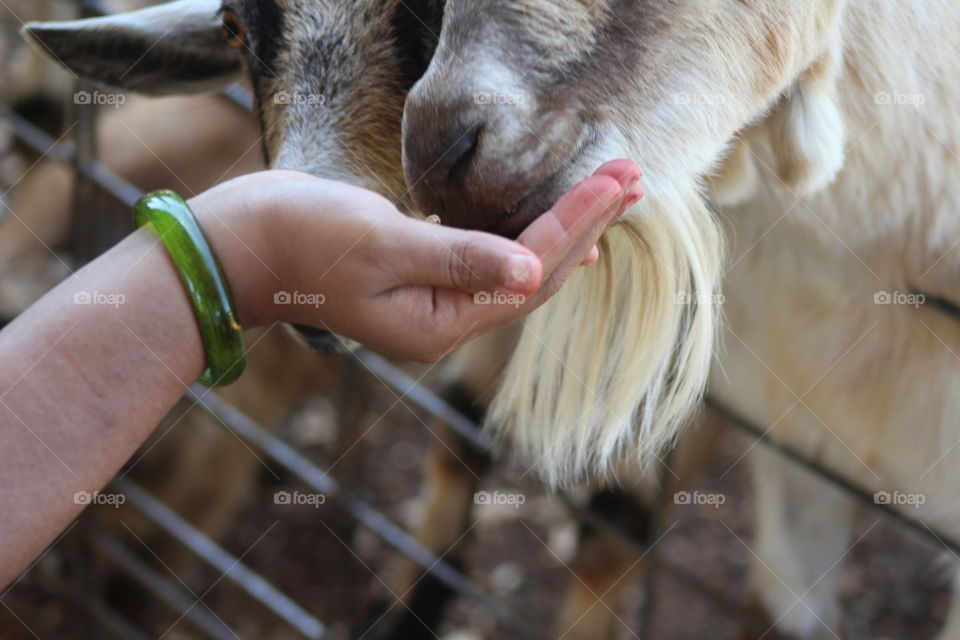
column 440, row 158
column 461, row 154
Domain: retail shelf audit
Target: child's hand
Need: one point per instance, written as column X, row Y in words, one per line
column 300, row 249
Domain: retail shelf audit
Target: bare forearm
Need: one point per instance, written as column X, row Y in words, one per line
column 87, row 373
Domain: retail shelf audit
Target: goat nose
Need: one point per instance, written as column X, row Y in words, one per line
column 456, row 161
column 441, row 161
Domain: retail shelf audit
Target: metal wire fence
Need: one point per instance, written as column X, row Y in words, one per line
column 95, row 180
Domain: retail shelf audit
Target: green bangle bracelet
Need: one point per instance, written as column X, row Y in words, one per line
column 171, row 219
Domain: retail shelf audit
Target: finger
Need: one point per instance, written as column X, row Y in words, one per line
column 554, row 279
column 555, row 234
column 474, row 262
column 469, row 261
column 626, row 172
column 567, row 235
column 561, row 238
column 580, row 250
column 634, row 194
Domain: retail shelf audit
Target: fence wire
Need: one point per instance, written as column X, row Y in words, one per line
column 89, row 170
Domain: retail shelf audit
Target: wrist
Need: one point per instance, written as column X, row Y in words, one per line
column 235, row 229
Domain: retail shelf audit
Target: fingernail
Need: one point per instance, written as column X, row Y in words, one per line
column 519, row 272
column 617, row 204
column 632, row 196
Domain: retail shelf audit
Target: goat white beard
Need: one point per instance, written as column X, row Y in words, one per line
column 612, row 367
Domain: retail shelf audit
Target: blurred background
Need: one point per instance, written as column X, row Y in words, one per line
column 278, row 508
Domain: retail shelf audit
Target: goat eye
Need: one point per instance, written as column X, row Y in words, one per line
column 233, row 31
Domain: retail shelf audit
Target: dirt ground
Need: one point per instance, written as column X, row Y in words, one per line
column 894, row 586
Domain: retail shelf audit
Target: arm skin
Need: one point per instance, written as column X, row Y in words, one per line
column 83, row 385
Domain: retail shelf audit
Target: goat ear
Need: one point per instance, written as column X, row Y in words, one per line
column 177, row 47
column 808, row 134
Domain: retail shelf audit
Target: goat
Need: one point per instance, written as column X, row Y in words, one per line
column 769, row 104
column 839, row 107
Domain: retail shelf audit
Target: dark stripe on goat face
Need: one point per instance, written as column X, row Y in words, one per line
column 581, row 61
column 264, row 21
column 361, row 57
column 270, row 40
column 416, row 26
column 560, row 53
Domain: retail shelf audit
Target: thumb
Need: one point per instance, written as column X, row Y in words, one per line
column 468, row 261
